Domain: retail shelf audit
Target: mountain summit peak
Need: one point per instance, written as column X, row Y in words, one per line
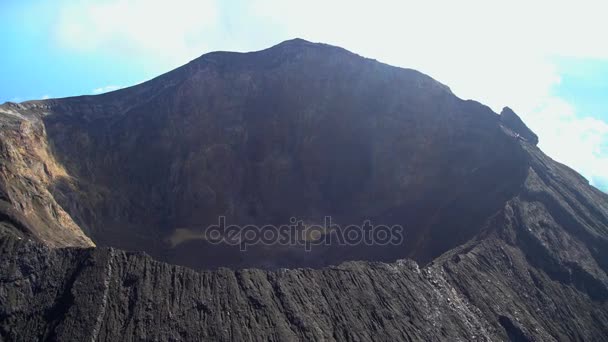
column 296, row 41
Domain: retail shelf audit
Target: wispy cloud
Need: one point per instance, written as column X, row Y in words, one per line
column 576, row 140
column 105, row 89
column 157, row 29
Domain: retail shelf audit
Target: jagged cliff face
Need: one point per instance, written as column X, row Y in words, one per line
column 511, row 244
column 28, row 171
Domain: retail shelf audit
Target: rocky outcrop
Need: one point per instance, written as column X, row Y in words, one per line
column 514, row 122
column 106, row 294
column 506, row 243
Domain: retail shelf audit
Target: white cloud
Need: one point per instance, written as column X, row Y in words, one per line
column 574, row 140
column 173, row 31
column 45, row 97
column 105, row 89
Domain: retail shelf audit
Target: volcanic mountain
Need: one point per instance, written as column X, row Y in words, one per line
column 104, row 199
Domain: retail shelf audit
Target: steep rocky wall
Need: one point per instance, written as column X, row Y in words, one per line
column 27, row 171
column 298, row 130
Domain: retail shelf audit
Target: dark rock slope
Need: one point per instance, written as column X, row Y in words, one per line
column 298, row 130
column 511, row 244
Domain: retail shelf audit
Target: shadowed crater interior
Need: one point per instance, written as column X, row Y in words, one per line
column 298, row 130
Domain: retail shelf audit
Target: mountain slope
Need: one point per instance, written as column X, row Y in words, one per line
column 512, row 245
column 298, row 130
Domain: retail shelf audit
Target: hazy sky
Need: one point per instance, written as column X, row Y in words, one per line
column 548, row 60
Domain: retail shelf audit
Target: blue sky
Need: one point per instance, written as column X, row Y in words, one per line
column 545, row 59
column 584, row 83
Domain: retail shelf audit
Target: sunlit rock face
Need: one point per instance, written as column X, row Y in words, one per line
column 506, row 243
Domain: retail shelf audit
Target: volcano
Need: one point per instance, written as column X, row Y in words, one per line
column 104, row 202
